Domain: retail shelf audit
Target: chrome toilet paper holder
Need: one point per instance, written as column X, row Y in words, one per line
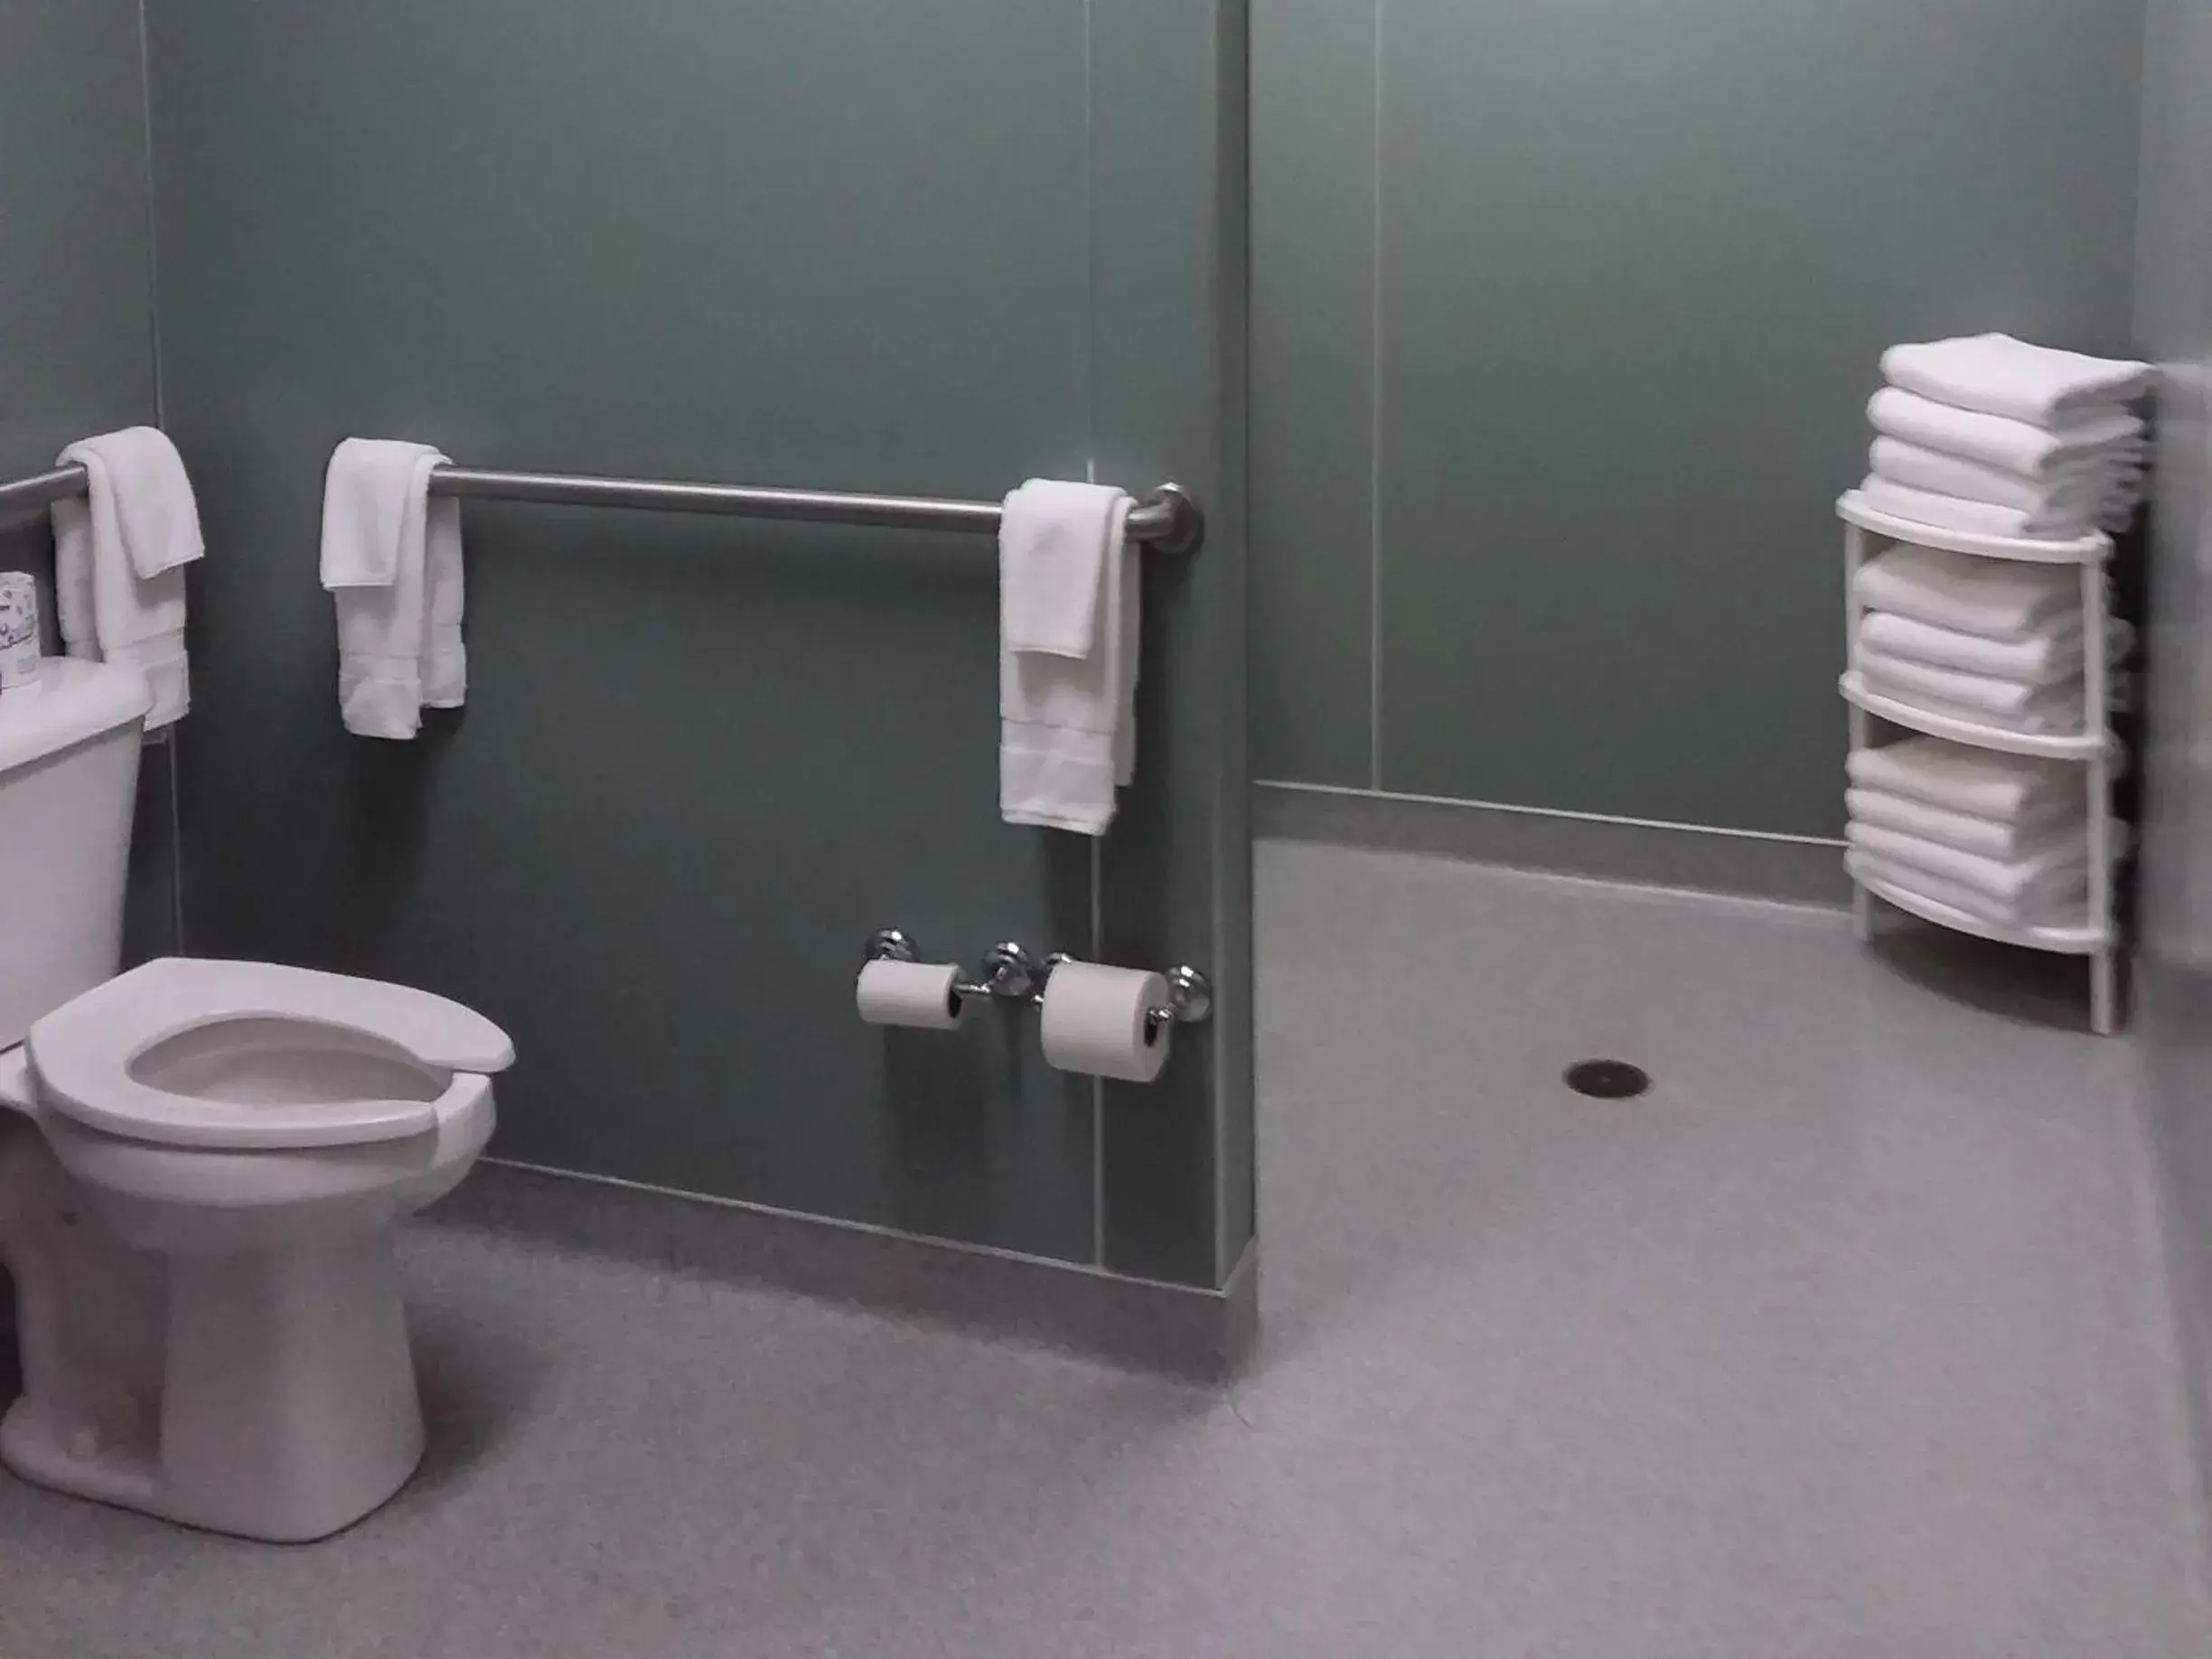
column 1011, row 974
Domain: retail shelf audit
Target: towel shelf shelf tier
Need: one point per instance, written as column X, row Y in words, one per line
column 2097, row 937
column 1168, row 519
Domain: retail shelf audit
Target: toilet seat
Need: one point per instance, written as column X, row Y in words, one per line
column 82, row 1054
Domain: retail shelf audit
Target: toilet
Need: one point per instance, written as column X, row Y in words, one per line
column 201, row 1166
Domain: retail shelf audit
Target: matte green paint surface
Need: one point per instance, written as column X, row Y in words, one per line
column 837, row 244
column 1636, row 266
column 76, row 304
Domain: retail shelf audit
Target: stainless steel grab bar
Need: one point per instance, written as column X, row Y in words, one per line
column 1168, row 518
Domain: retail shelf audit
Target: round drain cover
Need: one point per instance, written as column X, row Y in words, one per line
column 1607, row 1080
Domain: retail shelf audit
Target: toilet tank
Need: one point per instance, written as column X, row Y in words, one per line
column 69, row 780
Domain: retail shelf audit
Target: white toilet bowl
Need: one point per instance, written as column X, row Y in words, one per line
column 197, row 1210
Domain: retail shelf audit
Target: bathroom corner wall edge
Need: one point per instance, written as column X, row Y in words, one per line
column 1202, row 1335
column 1744, row 863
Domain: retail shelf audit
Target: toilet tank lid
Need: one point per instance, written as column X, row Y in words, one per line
column 68, row 702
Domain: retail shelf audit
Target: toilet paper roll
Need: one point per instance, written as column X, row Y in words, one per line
column 916, row 994
column 1098, row 1020
column 19, row 629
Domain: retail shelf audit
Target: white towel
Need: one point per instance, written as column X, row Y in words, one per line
column 1864, row 865
column 2062, row 520
column 2053, row 872
column 2010, row 446
column 1999, row 599
column 1051, row 548
column 1998, row 375
column 1984, row 783
column 1982, row 700
column 119, row 554
column 2051, row 653
column 2094, row 482
column 392, row 558
column 1068, row 724
column 1993, row 837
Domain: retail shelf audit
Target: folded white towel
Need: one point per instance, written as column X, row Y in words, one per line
column 2058, row 522
column 391, row 559
column 1052, row 545
column 1999, row 599
column 1984, row 783
column 2094, row 483
column 2051, row 653
column 1924, row 884
column 119, row 553
column 2010, row 446
column 1998, row 375
column 1993, row 837
column 1068, row 724
column 2052, row 872
column 2002, row 705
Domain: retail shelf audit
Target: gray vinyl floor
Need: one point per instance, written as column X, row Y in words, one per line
column 1849, row 1339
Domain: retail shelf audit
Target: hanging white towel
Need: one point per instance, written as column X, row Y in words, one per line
column 1999, row 599
column 2051, row 653
column 2053, row 872
column 2003, row 704
column 1052, row 548
column 1998, row 375
column 1068, row 722
column 2063, row 519
column 391, row 559
column 2010, row 446
column 1993, row 837
column 1984, row 783
column 119, row 554
column 1910, row 878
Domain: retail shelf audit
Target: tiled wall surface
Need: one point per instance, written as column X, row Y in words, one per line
column 1564, row 318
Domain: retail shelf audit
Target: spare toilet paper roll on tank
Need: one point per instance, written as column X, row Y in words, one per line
column 1099, row 1020
column 916, row 994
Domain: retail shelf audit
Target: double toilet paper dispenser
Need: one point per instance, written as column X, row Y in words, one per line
column 1108, row 1022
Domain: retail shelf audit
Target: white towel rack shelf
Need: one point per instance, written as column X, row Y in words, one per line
column 2097, row 937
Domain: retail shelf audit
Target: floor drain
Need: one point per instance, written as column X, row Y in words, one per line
column 1607, row 1079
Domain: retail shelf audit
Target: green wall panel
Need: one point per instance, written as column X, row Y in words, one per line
column 1635, row 264
column 835, row 244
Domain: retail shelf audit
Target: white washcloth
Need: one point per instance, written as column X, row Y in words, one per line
column 2004, row 705
column 2051, row 872
column 392, row 558
column 1052, row 546
column 1993, row 837
column 1984, row 783
column 2051, row 653
column 2010, row 446
column 1999, row 599
column 2095, row 481
column 119, row 553
column 1068, row 724
column 1865, row 865
column 1998, row 375
column 2061, row 520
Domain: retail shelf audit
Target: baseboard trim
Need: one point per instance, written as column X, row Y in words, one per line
column 1181, row 1330
column 1755, row 864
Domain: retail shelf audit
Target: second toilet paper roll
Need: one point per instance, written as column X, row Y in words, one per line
column 1098, row 1019
column 917, row 994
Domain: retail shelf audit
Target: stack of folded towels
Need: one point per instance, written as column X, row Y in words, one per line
column 1993, row 436
column 2002, row 837
column 1994, row 642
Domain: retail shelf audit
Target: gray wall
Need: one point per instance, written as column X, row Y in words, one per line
column 1564, row 317
column 76, row 303
column 840, row 244
column 2176, row 907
